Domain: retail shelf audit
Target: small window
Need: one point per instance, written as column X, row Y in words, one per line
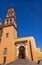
column 11, row 14
column 7, row 34
column 7, row 21
column 5, row 51
column 10, row 19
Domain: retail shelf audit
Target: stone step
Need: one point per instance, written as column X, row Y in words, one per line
column 23, row 62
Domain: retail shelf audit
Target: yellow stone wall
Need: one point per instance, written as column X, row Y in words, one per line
column 39, row 53
column 9, row 43
column 34, row 52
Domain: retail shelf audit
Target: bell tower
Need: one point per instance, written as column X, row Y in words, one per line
column 10, row 18
column 10, row 25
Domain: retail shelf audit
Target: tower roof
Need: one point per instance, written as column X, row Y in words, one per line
column 11, row 9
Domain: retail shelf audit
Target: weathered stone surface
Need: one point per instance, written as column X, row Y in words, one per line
column 23, row 62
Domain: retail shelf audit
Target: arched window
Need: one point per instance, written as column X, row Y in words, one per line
column 10, row 21
column 7, row 21
column 8, row 14
column 11, row 14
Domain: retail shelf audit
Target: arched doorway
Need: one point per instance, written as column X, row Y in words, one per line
column 21, row 54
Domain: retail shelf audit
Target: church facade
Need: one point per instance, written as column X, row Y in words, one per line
column 12, row 47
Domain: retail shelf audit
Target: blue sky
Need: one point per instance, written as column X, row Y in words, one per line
column 29, row 17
